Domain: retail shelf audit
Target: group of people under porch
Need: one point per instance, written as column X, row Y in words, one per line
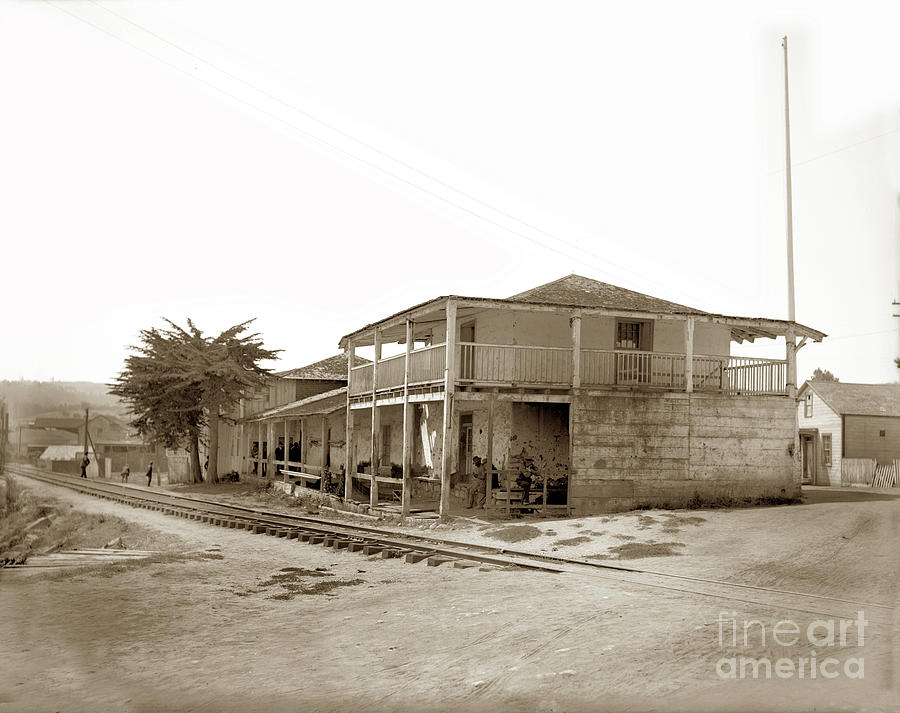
column 477, row 486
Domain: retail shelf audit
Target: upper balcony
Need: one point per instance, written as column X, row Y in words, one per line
column 570, row 334
column 516, row 366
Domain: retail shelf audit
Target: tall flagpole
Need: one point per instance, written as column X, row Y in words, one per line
column 787, row 171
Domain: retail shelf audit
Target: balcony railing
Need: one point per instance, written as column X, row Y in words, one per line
column 515, row 365
column 426, row 365
column 510, row 364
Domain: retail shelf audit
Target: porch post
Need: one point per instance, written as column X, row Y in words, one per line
column 284, row 451
column 376, row 424
column 689, row 355
column 790, row 341
column 270, row 451
column 576, row 350
column 489, row 471
column 349, row 466
column 324, row 441
column 791, row 355
column 259, row 444
column 407, row 425
column 449, row 387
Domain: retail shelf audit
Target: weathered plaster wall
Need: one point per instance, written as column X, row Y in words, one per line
column 312, row 439
column 480, row 411
column 632, row 449
column 541, row 433
column 428, row 419
column 709, row 339
column 553, row 330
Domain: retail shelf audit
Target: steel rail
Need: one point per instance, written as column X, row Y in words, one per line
column 420, row 544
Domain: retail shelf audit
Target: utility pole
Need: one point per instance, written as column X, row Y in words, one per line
column 86, row 431
column 787, row 170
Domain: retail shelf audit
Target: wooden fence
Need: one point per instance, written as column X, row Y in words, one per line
column 857, row 471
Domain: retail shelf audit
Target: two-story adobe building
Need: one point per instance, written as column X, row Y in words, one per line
column 606, row 398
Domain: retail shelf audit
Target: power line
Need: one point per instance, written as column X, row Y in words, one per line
column 864, row 334
column 353, row 156
column 794, row 164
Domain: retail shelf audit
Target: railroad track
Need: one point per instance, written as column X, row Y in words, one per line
column 374, row 541
column 368, row 541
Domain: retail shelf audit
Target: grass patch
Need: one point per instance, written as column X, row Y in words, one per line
column 625, row 537
column 639, row 550
column 674, row 522
column 67, row 528
column 572, row 541
column 645, row 521
column 515, row 533
column 293, row 581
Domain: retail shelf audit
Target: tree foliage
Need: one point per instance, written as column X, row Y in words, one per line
column 823, row 375
column 179, row 381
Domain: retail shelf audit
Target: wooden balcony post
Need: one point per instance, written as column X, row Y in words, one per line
column 270, row 451
column 376, row 424
column 791, row 356
column 489, row 470
column 259, row 445
column 406, row 462
column 576, row 350
column 349, row 466
column 790, row 342
column 449, row 387
column 324, row 457
column 284, row 451
column 689, row 355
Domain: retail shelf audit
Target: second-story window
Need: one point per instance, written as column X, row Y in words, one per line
column 633, row 335
column 807, row 406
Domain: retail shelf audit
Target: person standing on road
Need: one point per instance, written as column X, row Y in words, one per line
column 126, row 471
column 150, row 474
column 85, row 462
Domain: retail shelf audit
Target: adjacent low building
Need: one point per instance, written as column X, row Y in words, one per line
column 847, row 430
column 294, row 425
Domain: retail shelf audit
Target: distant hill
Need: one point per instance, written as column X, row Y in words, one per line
column 27, row 399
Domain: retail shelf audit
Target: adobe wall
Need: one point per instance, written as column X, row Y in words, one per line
column 553, row 330
column 634, row 449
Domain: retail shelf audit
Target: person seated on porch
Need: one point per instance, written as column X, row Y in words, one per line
column 523, row 480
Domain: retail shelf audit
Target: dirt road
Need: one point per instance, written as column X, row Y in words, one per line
column 338, row 632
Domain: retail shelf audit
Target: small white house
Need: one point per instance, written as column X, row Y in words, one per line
column 843, row 424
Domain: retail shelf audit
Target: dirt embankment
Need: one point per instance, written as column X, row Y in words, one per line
column 35, row 523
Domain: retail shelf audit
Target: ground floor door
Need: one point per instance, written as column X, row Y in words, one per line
column 808, row 457
column 464, row 464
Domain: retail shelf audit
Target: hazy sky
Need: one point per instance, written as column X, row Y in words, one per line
column 321, row 165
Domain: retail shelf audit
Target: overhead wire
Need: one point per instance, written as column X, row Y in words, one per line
column 354, row 156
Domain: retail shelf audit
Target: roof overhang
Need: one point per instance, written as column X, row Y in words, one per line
column 393, row 328
column 325, row 403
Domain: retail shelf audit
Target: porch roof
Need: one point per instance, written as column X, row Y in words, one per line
column 324, row 403
column 574, row 294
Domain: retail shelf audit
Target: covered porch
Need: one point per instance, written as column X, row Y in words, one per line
column 299, row 442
